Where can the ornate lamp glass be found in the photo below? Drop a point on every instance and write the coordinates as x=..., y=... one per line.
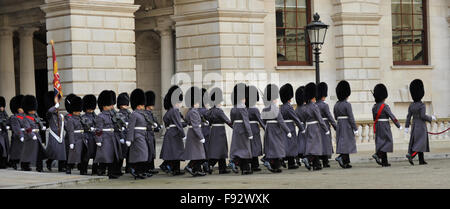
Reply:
x=316, y=31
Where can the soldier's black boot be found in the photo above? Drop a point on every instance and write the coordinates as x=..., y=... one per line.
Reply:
x=233, y=166
x=69, y=168
x=84, y=168
x=152, y=167
x=307, y=162
x=39, y=166
x=325, y=161
x=283, y=163
x=61, y=166
x=410, y=157
x=48, y=163
x=377, y=158
x=3, y=163
x=101, y=170
x=25, y=166
x=189, y=168
x=206, y=168
x=298, y=160
x=14, y=164
x=316, y=164
x=223, y=167
x=340, y=161
x=245, y=168
x=347, y=161
x=111, y=171
x=94, y=168
x=385, y=162
x=422, y=159
x=255, y=164
x=176, y=168
x=291, y=163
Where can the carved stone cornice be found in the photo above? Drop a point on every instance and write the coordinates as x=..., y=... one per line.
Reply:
x=219, y=13
x=27, y=31
x=7, y=31
x=154, y=13
x=356, y=18
x=100, y=6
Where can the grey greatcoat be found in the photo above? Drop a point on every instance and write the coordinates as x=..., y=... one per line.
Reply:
x=206, y=129
x=329, y=121
x=31, y=148
x=313, y=140
x=276, y=130
x=255, y=122
x=345, y=136
x=4, y=138
x=55, y=150
x=291, y=120
x=16, y=122
x=383, y=134
x=151, y=135
x=90, y=136
x=240, y=142
x=194, y=148
x=139, y=151
x=419, y=136
x=124, y=147
x=173, y=146
x=79, y=153
x=217, y=145
x=301, y=137
x=110, y=148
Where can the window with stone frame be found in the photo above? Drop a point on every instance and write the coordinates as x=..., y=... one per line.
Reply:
x=292, y=16
x=409, y=32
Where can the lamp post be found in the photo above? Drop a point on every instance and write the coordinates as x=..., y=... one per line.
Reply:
x=316, y=31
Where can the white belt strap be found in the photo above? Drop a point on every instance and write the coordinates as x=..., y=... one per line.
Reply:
x=108, y=130
x=58, y=139
x=192, y=127
x=384, y=120
x=342, y=117
x=288, y=121
x=172, y=126
x=238, y=121
x=35, y=130
x=22, y=129
x=272, y=121
x=140, y=128
x=217, y=125
x=312, y=122
x=253, y=121
x=324, y=118
x=78, y=131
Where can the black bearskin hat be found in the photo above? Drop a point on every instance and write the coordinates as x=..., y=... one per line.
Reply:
x=216, y=96
x=238, y=93
x=137, y=97
x=2, y=102
x=49, y=99
x=193, y=96
x=112, y=94
x=13, y=105
x=252, y=96
x=123, y=99
x=343, y=90
x=270, y=93
x=89, y=102
x=105, y=99
x=68, y=102
x=286, y=92
x=380, y=92
x=76, y=104
x=310, y=92
x=322, y=90
x=205, y=97
x=29, y=103
x=174, y=95
x=150, y=98
x=299, y=95
x=417, y=90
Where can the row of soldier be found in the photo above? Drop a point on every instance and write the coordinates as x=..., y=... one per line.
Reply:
x=113, y=136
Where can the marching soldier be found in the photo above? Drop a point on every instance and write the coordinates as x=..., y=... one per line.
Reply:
x=382, y=129
x=255, y=122
x=78, y=145
x=4, y=138
x=299, y=111
x=314, y=127
x=123, y=104
x=119, y=121
x=88, y=121
x=33, y=150
x=194, y=149
x=154, y=126
x=206, y=129
x=108, y=148
x=137, y=136
x=173, y=147
x=329, y=121
x=17, y=128
x=276, y=128
x=241, y=150
x=291, y=120
x=217, y=145
x=346, y=126
x=418, y=142
x=56, y=146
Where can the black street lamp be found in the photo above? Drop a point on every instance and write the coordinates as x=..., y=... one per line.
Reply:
x=316, y=31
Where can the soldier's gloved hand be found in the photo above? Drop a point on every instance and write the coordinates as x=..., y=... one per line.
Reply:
x=356, y=132
x=126, y=124
x=327, y=133
x=7, y=127
x=251, y=137
x=99, y=144
x=123, y=129
x=44, y=128
x=304, y=131
x=21, y=139
x=289, y=135
x=57, y=105
x=207, y=123
x=406, y=130
x=71, y=146
x=401, y=127
x=34, y=137
x=184, y=139
x=92, y=129
x=202, y=141
x=122, y=141
x=128, y=143
x=433, y=117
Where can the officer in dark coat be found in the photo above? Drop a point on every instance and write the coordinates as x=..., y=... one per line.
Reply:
x=217, y=145
x=346, y=126
x=194, y=149
x=276, y=130
x=123, y=104
x=56, y=146
x=4, y=138
x=33, y=150
x=418, y=142
x=153, y=127
x=88, y=121
x=17, y=128
x=78, y=144
x=291, y=120
x=256, y=122
x=314, y=126
x=137, y=135
x=108, y=146
x=299, y=111
x=172, y=150
x=329, y=121
x=383, y=136
x=120, y=125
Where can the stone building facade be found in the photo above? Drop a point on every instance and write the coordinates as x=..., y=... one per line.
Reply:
x=124, y=44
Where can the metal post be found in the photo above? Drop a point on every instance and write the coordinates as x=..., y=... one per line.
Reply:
x=317, y=61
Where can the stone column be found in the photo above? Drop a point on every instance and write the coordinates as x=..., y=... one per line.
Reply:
x=167, y=53
x=27, y=80
x=7, y=79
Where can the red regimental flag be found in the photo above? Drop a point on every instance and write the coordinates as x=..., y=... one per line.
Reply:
x=56, y=79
